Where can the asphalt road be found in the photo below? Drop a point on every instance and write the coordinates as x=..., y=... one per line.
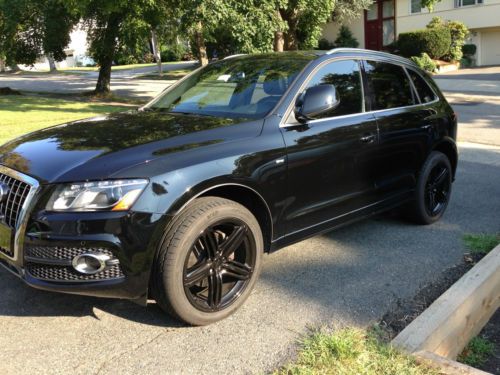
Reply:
x=347, y=277
x=123, y=82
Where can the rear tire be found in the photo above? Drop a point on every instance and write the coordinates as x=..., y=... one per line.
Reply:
x=433, y=190
x=208, y=262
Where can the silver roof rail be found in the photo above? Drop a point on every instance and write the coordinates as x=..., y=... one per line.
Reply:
x=231, y=56
x=371, y=52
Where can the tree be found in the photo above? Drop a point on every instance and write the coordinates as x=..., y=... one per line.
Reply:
x=31, y=28
x=304, y=20
x=228, y=26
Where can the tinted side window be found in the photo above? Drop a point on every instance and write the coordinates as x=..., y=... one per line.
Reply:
x=390, y=85
x=424, y=91
x=345, y=75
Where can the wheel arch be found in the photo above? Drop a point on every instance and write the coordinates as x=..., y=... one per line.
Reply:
x=449, y=148
x=247, y=197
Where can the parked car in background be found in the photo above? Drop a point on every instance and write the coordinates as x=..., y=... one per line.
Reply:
x=179, y=200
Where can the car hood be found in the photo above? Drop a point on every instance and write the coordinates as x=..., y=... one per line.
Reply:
x=101, y=147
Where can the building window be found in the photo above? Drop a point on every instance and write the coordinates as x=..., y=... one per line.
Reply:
x=465, y=3
x=416, y=6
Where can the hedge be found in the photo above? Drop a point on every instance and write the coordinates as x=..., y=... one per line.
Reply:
x=435, y=42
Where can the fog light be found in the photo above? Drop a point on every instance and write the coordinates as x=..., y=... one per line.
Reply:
x=90, y=264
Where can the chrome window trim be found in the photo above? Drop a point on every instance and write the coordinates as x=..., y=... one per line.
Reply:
x=22, y=221
x=286, y=115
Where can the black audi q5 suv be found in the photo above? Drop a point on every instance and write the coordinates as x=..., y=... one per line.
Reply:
x=179, y=200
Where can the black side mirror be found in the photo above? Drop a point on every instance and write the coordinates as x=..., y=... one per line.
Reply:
x=315, y=101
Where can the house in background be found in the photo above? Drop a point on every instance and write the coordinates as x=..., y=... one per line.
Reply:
x=77, y=53
x=379, y=25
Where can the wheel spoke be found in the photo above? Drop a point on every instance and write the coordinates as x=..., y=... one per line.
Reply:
x=441, y=177
x=432, y=201
x=233, y=241
x=214, y=290
x=237, y=270
x=209, y=243
x=198, y=272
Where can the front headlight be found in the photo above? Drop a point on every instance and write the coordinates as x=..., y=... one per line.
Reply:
x=114, y=195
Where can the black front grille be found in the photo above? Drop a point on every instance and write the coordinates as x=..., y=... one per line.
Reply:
x=38, y=259
x=63, y=273
x=11, y=207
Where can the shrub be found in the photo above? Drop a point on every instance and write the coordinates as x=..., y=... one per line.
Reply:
x=469, y=50
x=325, y=45
x=458, y=33
x=173, y=52
x=425, y=62
x=435, y=42
x=345, y=38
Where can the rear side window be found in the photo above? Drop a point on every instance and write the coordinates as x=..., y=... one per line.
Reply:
x=424, y=91
x=345, y=75
x=389, y=84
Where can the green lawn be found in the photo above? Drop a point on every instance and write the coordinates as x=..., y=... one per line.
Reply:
x=351, y=351
x=23, y=114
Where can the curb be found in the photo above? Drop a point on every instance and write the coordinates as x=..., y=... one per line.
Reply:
x=442, y=331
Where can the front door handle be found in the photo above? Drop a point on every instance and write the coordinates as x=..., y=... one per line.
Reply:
x=426, y=127
x=368, y=138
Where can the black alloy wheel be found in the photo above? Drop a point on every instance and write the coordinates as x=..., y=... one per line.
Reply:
x=208, y=262
x=437, y=189
x=219, y=265
x=433, y=190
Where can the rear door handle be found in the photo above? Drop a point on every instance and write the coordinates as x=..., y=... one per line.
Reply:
x=426, y=127
x=368, y=138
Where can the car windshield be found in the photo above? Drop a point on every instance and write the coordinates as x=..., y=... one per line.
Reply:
x=239, y=87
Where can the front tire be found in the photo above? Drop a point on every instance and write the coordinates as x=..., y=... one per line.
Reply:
x=433, y=189
x=208, y=262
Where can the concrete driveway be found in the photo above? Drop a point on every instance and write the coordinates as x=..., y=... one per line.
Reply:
x=475, y=96
x=349, y=276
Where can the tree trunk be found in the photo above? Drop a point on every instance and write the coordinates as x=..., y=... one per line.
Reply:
x=52, y=63
x=2, y=65
x=107, y=54
x=15, y=68
x=200, y=45
x=291, y=42
x=279, y=41
x=156, y=51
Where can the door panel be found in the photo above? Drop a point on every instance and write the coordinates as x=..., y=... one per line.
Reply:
x=330, y=160
x=404, y=133
x=329, y=169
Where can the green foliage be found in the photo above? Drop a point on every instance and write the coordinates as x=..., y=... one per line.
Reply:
x=476, y=352
x=31, y=28
x=458, y=33
x=425, y=62
x=325, y=45
x=469, y=50
x=345, y=38
x=175, y=52
x=435, y=42
x=481, y=243
x=351, y=351
x=429, y=4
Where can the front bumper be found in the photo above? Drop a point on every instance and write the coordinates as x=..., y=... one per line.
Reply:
x=51, y=241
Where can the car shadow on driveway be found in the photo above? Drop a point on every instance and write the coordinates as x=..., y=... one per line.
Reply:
x=18, y=299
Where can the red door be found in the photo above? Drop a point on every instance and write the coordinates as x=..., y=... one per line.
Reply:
x=380, y=25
